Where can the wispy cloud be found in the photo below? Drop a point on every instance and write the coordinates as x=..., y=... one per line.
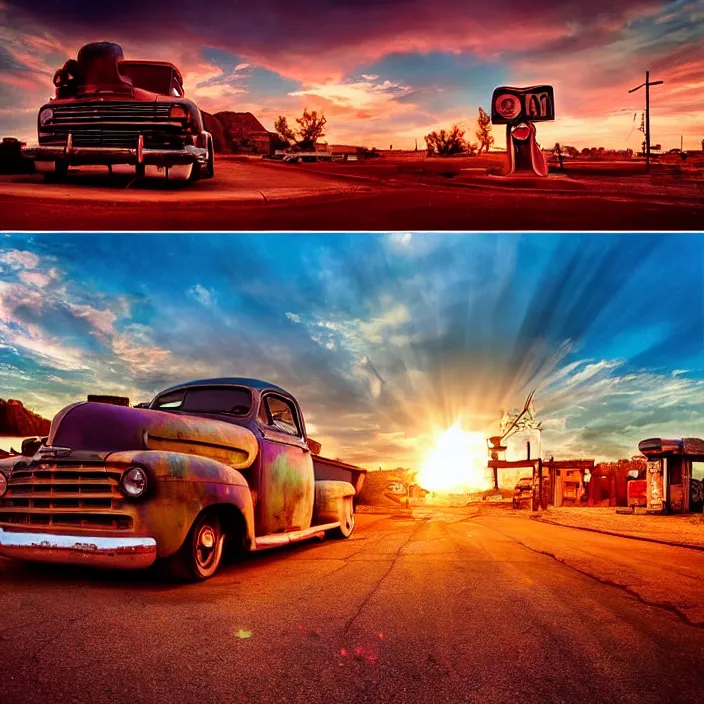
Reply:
x=439, y=62
x=384, y=338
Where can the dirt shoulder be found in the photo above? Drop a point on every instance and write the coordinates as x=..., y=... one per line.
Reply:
x=661, y=576
x=680, y=530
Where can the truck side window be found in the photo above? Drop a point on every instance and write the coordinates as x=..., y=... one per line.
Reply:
x=263, y=415
x=282, y=415
x=172, y=400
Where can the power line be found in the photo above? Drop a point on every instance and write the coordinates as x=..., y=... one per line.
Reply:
x=647, y=85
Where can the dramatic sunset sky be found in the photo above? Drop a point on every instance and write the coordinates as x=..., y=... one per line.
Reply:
x=385, y=71
x=385, y=339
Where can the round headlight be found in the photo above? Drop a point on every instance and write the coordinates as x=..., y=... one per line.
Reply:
x=3, y=484
x=45, y=115
x=134, y=482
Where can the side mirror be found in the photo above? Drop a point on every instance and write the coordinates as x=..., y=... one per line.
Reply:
x=633, y=473
x=142, y=405
x=314, y=446
x=30, y=446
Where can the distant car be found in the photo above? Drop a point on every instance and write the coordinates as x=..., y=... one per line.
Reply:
x=522, y=491
x=298, y=157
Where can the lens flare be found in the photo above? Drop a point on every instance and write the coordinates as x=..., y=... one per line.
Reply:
x=457, y=462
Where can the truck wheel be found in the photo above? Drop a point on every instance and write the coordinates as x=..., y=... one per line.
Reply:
x=201, y=553
x=347, y=521
x=210, y=166
x=59, y=174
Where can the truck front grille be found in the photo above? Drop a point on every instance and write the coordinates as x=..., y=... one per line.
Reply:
x=112, y=124
x=110, y=111
x=59, y=496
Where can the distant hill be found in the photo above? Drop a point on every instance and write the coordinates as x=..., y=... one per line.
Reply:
x=240, y=133
x=17, y=421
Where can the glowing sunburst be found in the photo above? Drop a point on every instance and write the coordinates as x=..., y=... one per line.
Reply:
x=456, y=463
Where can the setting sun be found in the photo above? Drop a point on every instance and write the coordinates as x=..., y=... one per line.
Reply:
x=456, y=463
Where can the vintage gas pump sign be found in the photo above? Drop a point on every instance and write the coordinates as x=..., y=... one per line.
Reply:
x=655, y=491
x=519, y=109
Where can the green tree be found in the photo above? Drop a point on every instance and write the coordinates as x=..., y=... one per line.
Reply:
x=444, y=143
x=311, y=127
x=283, y=130
x=484, y=131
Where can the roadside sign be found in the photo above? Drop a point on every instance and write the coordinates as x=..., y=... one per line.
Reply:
x=534, y=104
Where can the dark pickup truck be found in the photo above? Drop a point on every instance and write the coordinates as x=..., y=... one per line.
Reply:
x=118, y=113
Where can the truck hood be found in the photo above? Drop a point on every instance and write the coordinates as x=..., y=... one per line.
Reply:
x=104, y=428
x=136, y=94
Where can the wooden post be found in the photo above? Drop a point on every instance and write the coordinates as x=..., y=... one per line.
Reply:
x=540, y=483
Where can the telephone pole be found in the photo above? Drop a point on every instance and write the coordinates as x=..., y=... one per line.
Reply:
x=647, y=85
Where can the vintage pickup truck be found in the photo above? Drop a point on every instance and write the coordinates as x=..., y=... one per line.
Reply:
x=207, y=468
x=119, y=113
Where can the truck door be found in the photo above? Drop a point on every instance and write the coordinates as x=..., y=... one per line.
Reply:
x=287, y=481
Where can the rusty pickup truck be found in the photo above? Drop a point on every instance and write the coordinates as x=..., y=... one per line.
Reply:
x=206, y=469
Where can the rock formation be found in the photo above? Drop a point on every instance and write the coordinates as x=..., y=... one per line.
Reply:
x=17, y=421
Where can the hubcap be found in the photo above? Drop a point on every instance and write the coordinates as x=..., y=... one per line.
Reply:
x=205, y=546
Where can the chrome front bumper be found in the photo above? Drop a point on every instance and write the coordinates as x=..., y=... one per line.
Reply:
x=117, y=155
x=123, y=553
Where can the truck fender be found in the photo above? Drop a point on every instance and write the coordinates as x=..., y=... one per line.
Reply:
x=329, y=500
x=183, y=487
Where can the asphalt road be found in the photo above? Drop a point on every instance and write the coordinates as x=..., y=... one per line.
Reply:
x=444, y=608
x=255, y=195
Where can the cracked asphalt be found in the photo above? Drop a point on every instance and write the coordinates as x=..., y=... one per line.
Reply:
x=448, y=606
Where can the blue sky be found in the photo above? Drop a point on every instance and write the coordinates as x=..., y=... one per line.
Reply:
x=384, y=338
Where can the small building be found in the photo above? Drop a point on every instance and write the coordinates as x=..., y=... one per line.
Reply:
x=391, y=487
x=113, y=400
x=567, y=481
x=241, y=133
x=674, y=477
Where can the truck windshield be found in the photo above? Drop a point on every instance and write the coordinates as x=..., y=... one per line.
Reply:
x=231, y=400
x=152, y=77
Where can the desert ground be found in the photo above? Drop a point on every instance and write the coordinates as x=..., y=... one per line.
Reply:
x=386, y=193
x=430, y=605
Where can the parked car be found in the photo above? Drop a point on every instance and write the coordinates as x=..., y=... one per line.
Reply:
x=114, y=112
x=208, y=468
x=523, y=491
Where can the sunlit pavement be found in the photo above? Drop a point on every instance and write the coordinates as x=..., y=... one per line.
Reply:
x=434, y=606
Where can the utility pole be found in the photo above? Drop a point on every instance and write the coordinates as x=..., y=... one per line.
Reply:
x=647, y=85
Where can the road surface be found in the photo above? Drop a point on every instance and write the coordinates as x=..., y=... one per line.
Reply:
x=446, y=607
x=260, y=195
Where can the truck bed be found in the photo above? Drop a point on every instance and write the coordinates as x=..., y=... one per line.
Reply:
x=326, y=468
